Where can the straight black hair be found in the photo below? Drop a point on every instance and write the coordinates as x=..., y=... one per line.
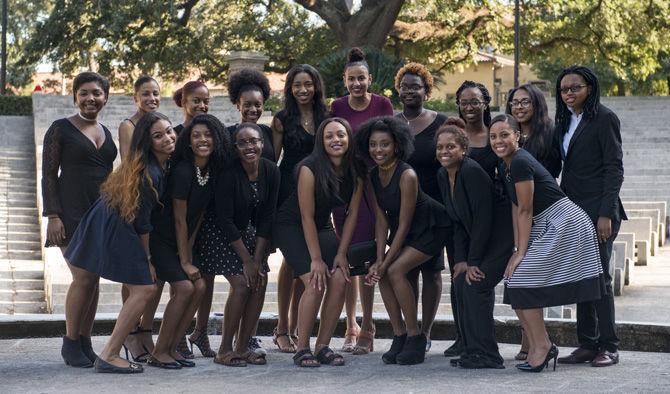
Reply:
x=319, y=108
x=540, y=139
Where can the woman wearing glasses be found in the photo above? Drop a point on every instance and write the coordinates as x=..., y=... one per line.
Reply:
x=246, y=198
x=414, y=85
x=528, y=106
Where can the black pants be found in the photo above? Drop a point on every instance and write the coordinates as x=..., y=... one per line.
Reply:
x=596, y=329
x=475, y=306
x=449, y=245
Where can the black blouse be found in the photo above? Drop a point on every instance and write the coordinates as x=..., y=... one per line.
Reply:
x=150, y=198
x=423, y=159
x=524, y=167
x=182, y=185
x=297, y=143
x=289, y=213
x=234, y=205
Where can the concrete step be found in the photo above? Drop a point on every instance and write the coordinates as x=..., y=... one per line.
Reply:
x=19, y=236
x=11, y=308
x=21, y=284
x=20, y=254
x=22, y=295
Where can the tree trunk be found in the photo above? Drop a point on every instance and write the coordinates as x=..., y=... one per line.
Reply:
x=369, y=26
x=620, y=88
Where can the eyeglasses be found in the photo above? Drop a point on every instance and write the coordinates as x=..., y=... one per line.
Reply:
x=573, y=89
x=410, y=88
x=525, y=103
x=248, y=142
x=473, y=103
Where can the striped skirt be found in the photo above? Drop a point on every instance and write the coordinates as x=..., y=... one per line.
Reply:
x=562, y=264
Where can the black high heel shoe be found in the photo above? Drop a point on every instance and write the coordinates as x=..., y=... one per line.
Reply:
x=142, y=358
x=553, y=353
x=200, y=339
x=396, y=347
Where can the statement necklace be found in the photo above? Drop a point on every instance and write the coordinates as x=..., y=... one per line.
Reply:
x=202, y=180
x=413, y=119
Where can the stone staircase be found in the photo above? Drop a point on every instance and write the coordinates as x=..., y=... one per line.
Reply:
x=21, y=266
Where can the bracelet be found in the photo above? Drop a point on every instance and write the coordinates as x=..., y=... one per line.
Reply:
x=515, y=249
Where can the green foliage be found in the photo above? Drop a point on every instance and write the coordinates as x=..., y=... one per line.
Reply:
x=273, y=103
x=16, y=105
x=382, y=67
x=624, y=41
x=445, y=106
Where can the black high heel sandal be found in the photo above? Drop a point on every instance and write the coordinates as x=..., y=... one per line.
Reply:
x=553, y=353
x=142, y=358
x=200, y=339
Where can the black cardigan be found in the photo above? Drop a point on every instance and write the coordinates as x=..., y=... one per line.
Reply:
x=233, y=200
x=473, y=203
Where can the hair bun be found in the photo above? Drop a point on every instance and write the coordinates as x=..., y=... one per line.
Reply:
x=454, y=121
x=356, y=55
x=177, y=96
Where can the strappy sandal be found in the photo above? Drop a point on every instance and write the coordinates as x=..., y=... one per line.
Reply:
x=327, y=356
x=230, y=359
x=365, y=343
x=350, y=339
x=277, y=338
x=521, y=356
x=305, y=358
x=254, y=358
x=142, y=358
x=200, y=339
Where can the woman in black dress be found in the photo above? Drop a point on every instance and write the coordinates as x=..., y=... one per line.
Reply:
x=414, y=85
x=112, y=239
x=556, y=261
x=330, y=176
x=293, y=131
x=83, y=151
x=147, y=98
x=193, y=99
x=246, y=199
x=528, y=106
x=483, y=243
x=417, y=224
x=202, y=149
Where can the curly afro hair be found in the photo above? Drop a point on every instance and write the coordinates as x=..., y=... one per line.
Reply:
x=419, y=70
x=399, y=131
x=246, y=80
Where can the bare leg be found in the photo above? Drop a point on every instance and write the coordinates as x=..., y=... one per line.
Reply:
x=186, y=319
x=147, y=319
x=205, y=306
x=331, y=309
x=236, y=303
x=350, y=302
x=392, y=306
x=431, y=293
x=89, y=316
x=78, y=302
x=125, y=323
x=284, y=292
x=249, y=321
x=307, y=310
x=298, y=289
x=367, y=301
x=182, y=292
x=397, y=274
x=537, y=335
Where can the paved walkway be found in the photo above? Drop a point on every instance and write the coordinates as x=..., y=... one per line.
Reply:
x=35, y=365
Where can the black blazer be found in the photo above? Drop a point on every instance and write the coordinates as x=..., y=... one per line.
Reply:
x=473, y=210
x=593, y=167
x=233, y=200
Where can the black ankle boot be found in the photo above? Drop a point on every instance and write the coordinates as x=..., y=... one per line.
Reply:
x=414, y=351
x=87, y=348
x=396, y=347
x=73, y=355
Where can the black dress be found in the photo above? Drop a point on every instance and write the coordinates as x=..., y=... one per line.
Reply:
x=483, y=237
x=425, y=164
x=429, y=224
x=244, y=210
x=108, y=246
x=182, y=185
x=297, y=144
x=83, y=168
x=288, y=234
x=562, y=264
x=268, y=150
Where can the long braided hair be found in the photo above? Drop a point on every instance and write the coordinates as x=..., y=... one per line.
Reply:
x=485, y=95
x=590, y=107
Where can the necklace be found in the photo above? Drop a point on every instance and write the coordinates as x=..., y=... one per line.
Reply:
x=85, y=118
x=388, y=166
x=202, y=180
x=414, y=118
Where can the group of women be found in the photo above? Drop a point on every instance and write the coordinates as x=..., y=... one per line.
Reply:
x=360, y=197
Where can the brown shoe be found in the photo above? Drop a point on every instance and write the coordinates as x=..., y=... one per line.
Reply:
x=579, y=356
x=605, y=359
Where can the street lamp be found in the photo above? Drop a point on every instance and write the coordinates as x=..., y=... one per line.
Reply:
x=516, y=43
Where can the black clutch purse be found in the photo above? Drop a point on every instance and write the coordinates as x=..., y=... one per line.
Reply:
x=361, y=256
